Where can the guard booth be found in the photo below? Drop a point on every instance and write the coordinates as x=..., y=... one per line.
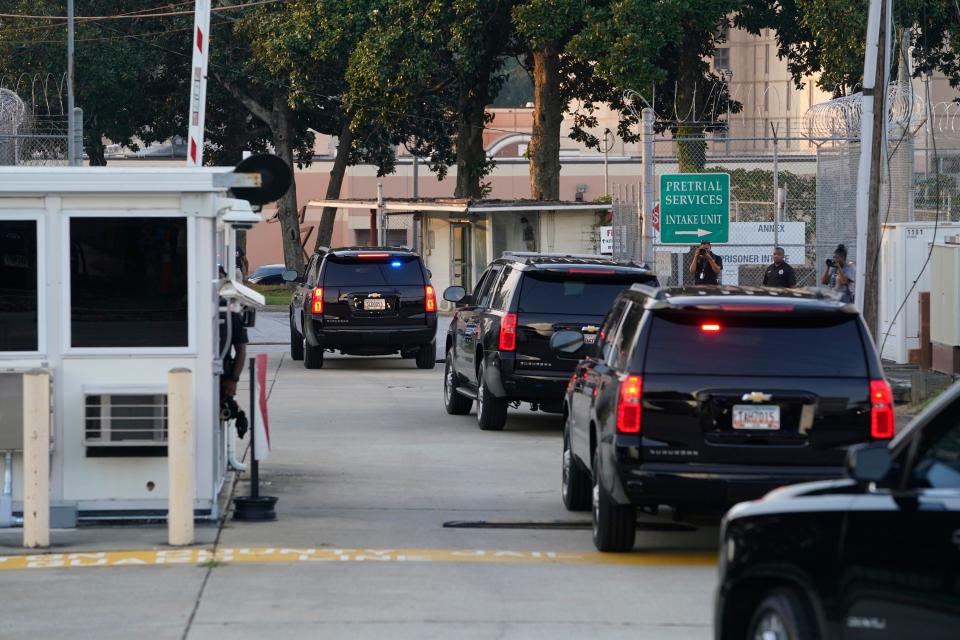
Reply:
x=108, y=280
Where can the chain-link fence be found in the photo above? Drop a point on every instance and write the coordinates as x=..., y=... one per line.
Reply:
x=28, y=136
x=401, y=229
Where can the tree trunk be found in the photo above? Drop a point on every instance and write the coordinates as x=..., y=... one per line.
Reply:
x=547, y=115
x=325, y=230
x=93, y=145
x=281, y=126
x=692, y=146
x=471, y=156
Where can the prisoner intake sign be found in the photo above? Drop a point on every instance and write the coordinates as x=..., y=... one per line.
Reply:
x=694, y=208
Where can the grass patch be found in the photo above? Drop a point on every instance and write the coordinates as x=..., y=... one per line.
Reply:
x=210, y=564
x=274, y=293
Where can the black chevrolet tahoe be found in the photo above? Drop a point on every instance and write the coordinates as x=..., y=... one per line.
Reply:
x=497, y=345
x=367, y=301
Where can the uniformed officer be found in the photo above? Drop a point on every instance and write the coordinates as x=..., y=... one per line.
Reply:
x=779, y=274
x=705, y=265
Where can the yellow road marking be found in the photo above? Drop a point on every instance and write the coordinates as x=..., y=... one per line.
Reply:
x=281, y=555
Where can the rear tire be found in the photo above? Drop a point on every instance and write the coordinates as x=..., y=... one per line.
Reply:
x=312, y=356
x=784, y=615
x=296, y=342
x=491, y=410
x=575, y=484
x=427, y=356
x=614, y=525
x=455, y=404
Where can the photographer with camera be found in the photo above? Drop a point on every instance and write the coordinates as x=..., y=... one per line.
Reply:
x=706, y=265
x=839, y=274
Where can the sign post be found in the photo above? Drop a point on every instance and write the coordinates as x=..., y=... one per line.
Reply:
x=198, y=83
x=694, y=207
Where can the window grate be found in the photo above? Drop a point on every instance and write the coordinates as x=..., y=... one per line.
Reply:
x=125, y=420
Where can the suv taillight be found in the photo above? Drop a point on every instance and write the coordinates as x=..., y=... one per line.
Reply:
x=316, y=306
x=628, y=407
x=431, y=299
x=508, y=332
x=881, y=409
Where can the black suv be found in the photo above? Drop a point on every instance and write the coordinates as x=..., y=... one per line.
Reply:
x=702, y=397
x=876, y=555
x=497, y=347
x=366, y=301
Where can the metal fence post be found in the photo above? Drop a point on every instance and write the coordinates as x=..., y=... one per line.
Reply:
x=36, y=459
x=776, y=187
x=76, y=142
x=381, y=218
x=646, y=252
x=181, y=456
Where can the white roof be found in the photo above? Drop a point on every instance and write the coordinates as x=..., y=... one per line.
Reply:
x=35, y=180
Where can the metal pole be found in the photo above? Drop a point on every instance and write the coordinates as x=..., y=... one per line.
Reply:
x=181, y=457
x=76, y=118
x=648, y=187
x=606, y=167
x=36, y=459
x=381, y=217
x=866, y=142
x=71, y=152
x=416, y=177
x=254, y=465
x=776, y=187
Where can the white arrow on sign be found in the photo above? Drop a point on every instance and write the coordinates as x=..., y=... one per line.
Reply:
x=699, y=233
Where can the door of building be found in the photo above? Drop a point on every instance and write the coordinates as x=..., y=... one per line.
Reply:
x=460, y=266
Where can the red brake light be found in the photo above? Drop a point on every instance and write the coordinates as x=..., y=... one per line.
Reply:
x=431, y=299
x=317, y=304
x=508, y=332
x=628, y=408
x=373, y=255
x=881, y=409
x=709, y=327
x=756, y=307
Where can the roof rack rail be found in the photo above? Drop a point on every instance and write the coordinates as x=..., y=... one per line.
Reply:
x=654, y=292
x=529, y=256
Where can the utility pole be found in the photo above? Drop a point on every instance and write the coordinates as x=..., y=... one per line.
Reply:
x=72, y=160
x=870, y=169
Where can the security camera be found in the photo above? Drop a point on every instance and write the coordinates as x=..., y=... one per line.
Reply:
x=237, y=213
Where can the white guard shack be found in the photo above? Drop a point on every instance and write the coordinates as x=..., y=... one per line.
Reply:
x=109, y=279
x=458, y=238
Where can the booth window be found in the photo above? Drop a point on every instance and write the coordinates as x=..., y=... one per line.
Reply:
x=125, y=425
x=18, y=285
x=128, y=282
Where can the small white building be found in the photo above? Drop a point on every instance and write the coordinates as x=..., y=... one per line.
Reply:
x=109, y=279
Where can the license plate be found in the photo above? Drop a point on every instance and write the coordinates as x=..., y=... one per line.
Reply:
x=589, y=338
x=756, y=416
x=374, y=304
x=15, y=261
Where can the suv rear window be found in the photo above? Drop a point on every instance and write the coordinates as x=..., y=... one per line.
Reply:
x=778, y=344
x=344, y=271
x=563, y=292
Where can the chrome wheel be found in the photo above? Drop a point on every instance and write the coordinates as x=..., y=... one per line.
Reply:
x=448, y=384
x=480, y=395
x=596, y=504
x=771, y=627
x=565, y=487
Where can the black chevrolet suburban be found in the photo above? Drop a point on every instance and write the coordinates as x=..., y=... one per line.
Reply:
x=497, y=345
x=701, y=397
x=366, y=301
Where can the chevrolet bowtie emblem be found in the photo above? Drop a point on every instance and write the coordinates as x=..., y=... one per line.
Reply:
x=589, y=329
x=374, y=295
x=756, y=397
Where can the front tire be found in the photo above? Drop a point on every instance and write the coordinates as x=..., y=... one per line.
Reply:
x=312, y=356
x=296, y=341
x=575, y=485
x=427, y=356
x=783, y=615
x=491, y=410
x=614, y=525
x=455, y=404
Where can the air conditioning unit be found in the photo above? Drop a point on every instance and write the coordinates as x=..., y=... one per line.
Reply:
x=127, y=417
x=945, y=307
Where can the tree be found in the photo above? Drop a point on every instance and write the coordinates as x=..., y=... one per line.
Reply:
x=661, y=49
x=432, y=68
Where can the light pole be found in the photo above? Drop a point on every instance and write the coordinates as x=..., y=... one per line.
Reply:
x=607, y=145
x=71, y=151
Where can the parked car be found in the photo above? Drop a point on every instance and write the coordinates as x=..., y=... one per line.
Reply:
x=875, y=555
x=366, y=301
x=497, y=345
x=268, y=274
x=702, y=397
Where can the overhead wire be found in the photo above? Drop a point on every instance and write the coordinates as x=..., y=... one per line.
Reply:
x=138, y=16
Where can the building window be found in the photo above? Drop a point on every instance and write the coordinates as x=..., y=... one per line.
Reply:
x=721, y=59
x=789, y=93
x=766, y=58
x=766, y=97
x=128, y=282
x=19, y=323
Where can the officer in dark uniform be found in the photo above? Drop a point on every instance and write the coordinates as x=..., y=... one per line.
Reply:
x=779, y=274
x=705, y=265
x=233, y=347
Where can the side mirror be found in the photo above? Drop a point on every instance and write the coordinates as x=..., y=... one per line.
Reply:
x=566, y=341
x=290, y=276
x=454, y=294
x=429, y=274
x=868, y=463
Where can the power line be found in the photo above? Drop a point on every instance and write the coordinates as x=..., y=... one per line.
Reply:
x=137, y=16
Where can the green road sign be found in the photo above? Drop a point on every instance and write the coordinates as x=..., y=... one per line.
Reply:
x=694, y=207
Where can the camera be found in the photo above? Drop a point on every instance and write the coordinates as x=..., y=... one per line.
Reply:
x=829, y=263
x=230, y=410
